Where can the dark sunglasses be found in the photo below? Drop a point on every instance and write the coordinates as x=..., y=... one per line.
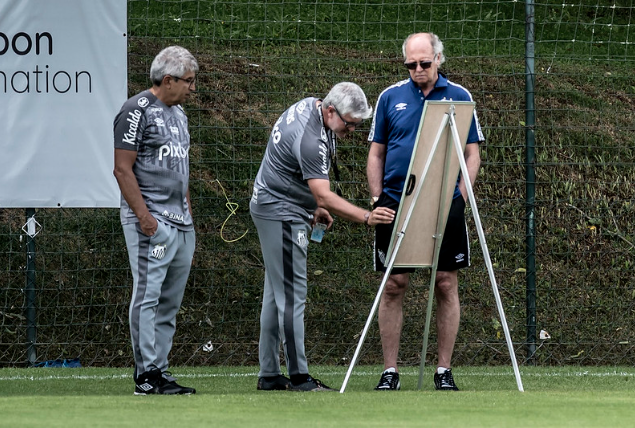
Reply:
x=413, y=65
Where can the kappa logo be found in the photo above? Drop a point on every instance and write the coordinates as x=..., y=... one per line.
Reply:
x=143, y=102
x=158, y=252
x=401, y=106
x=302, y=241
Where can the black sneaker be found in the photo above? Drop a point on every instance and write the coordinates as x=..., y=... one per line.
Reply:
x=445, y=381
x=311, y=384
x=168, y=386
x=389, y=382
x=148, y=382
x=273, y=383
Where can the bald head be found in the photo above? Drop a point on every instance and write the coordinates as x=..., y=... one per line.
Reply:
x=420, y=39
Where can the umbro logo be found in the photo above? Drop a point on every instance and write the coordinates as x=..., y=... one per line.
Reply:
x=382, y=256
x=459, y=257
x=145, y=386
x=401, y=106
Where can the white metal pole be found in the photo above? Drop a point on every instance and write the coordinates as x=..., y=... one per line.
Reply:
x=486, y=256
x=371, y=315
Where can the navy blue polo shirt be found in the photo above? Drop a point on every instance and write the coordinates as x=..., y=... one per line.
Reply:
x=396, y=122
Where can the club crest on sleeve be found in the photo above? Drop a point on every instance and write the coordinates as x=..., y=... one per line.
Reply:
x=142, y=102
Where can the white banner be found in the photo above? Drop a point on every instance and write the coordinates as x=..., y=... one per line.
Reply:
x=63, y=74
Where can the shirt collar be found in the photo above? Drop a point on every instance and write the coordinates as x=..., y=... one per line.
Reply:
x=442, y=82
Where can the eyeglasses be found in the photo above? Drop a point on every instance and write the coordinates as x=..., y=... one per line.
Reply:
x=190, y=80
x=413, y=65
x=349, y=125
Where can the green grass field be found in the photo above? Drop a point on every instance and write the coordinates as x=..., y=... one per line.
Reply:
x=227, y=397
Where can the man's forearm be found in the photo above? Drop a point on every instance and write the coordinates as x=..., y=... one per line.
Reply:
x=132, y=194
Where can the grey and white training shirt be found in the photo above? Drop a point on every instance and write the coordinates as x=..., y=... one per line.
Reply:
x=159, y=134
x=299, y=149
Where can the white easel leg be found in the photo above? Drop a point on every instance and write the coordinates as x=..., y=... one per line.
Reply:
x=371, y=315
x=486, y=256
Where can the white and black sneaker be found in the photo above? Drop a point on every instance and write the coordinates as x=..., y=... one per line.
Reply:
x=170, y=387
x=389, y=381
x=444, y=381
x=155, y=382
x=148, y=382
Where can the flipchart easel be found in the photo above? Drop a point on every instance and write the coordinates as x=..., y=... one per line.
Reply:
x=420, y=247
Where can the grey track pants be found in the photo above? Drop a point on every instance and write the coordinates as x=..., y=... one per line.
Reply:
x=284, y=250
x=160, y=267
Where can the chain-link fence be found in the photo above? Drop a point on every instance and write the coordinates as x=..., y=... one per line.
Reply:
x=257, y=58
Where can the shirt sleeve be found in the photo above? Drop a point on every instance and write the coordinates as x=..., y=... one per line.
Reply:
x=476, y=134
x=378, y=129
x=313, y=157
x=128, y=126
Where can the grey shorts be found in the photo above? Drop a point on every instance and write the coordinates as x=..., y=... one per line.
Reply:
x=455, y=247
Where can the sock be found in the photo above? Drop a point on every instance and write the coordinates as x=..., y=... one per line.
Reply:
x=390, y=370
x=297, y=379
x=441, y=370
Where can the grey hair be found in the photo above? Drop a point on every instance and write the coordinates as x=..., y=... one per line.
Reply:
x=348, y=98
x=437, y=45
x=173, y=60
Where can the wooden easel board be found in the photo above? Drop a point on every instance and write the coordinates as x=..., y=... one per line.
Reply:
x=417, y=246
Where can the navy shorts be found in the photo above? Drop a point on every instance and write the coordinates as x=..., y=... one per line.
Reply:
x=455, y=247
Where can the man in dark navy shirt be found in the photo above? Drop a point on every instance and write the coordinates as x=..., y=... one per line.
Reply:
x=393, y=134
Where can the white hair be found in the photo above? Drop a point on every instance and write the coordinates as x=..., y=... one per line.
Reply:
x=348, y=98
x=437, y=45
x=174, y=61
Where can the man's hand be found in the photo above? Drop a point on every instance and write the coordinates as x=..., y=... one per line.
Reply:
x=148, y=225
x=321, y=215
x=381, y=215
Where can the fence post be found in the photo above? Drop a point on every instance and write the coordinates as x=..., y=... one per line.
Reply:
x=29, y=290
x=530, y=183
